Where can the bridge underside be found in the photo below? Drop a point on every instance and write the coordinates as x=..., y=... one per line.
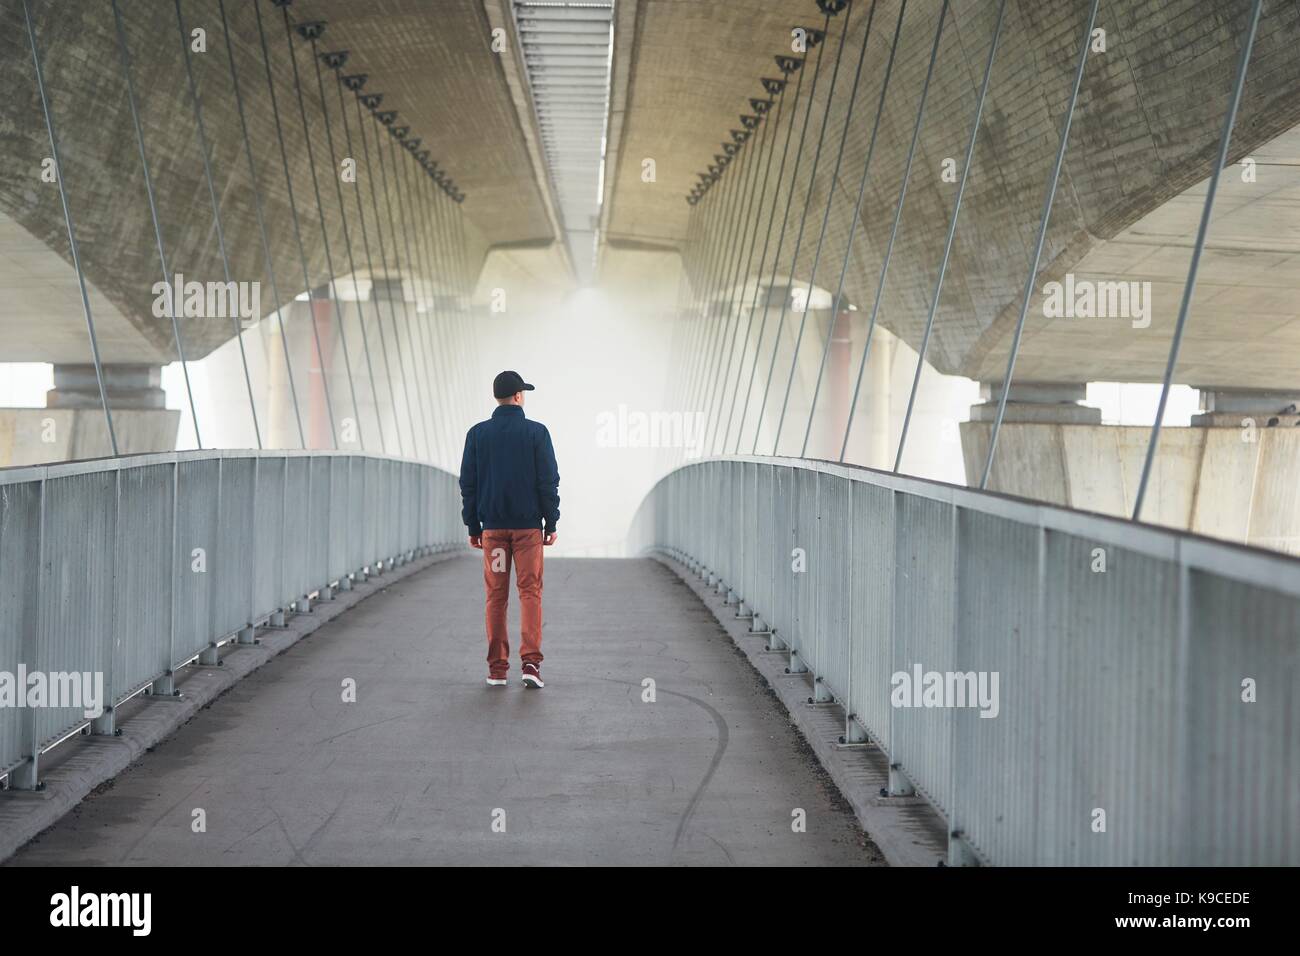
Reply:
x=413, y=771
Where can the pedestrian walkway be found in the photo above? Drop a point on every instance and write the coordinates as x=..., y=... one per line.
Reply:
x=430, y=766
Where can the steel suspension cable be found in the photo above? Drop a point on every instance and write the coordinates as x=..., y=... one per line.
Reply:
x=691, y=264
x=826, y=216
x=1225, y=140
x=725, y=288
x=423, y=281
x=336, y=61
x=762, y=263
x=310, y=32
x=456, y=256
x=803, y=220
x=293, y=217
x=726, y=224
x=696, y=277
x=1050, y=197
x=752, y=272
x=435, y=374
x=71, y=228
x=893, y=229
x=353, y=84
x=457, y=248
x=383, y=263
x=216, y=212
x=952, y=231
x=461, y=280
x=708, y=330
x=124, y=55
x=675, y=352
x=780, y=242
x=452, y=334
x=855, y=221
x=740, y=271
x=261, y=221
x=407, y=309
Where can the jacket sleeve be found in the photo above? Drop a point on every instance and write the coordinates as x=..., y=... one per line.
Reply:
x=469, y=487
x=548, y=480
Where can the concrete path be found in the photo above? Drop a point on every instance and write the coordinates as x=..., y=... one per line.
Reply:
x=419, y=768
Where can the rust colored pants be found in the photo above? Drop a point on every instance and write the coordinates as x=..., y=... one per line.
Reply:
x=523, y=548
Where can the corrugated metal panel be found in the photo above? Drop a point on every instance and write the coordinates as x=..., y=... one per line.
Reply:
x=233, y=575
x=1119, y=685
x=20, y=543
x=144, y=575
x=268, y=543
x=75, y=632
x=1000, y=630
x=100, y=571
x=197, y=500
x=920, y=738
x=1243, y=773
x=871, y=592
x=298, y=533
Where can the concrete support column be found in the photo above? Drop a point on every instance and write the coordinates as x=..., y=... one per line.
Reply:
x=1229, y=475
x=128, y=386
x=72, y=425
x=1054, y=402
x=1248, y=408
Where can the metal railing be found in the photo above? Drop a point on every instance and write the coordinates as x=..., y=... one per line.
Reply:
x=1148, y=682
x=132, y=567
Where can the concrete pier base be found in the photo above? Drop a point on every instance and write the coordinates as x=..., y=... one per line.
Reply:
x=39, y=436
x=1235, y=483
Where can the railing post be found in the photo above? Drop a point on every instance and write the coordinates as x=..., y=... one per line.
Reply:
x=210, y=654
x=105, y=724
x=165, y=686
x=959, y=852
x=26, y=776
x=817, y=545
x=853, y=732
x=309, y=528
x=251, y=616
x=345, y=582
x=899, y=785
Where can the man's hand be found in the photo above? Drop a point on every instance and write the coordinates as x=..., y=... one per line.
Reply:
x=476, y=541
x=548, y=539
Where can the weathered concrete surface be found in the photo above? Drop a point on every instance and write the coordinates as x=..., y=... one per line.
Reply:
x=437, y=72
x=585, y=772
x=1142, y=142
x=38, y=436
x=1149, y=117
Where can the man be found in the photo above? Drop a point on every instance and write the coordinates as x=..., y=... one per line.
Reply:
x=509, y=486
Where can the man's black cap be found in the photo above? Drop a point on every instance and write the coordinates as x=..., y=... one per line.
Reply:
x=507, y=383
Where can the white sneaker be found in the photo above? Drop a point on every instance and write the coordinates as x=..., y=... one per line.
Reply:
x=496, y=682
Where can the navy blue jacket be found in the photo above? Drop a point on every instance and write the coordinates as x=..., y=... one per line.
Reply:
x=508, y=475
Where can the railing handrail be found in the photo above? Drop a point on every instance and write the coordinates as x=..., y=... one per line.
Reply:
x=1127, y=655
x=130, y=567
x=1230, y=559
x=14, y=474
